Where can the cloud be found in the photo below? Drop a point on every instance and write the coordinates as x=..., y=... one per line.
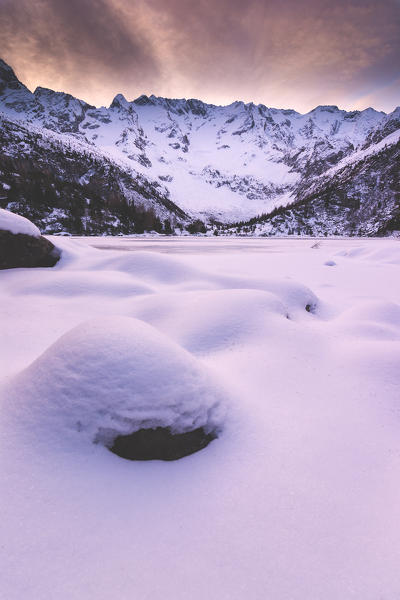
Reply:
x=281, y=52
x=82, y=45
x=295, y=53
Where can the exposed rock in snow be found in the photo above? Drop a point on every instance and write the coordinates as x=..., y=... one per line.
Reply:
x=21, y=244
x=107, y=379
x=161, y=443
x=20, y=250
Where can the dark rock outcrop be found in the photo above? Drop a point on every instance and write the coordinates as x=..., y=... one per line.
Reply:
x=160, y=444
x=21, y=250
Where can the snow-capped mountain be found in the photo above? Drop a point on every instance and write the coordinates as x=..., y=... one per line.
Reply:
x=358, y=196
x=187, y=160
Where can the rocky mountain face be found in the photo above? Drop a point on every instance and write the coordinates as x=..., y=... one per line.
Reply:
x=63, y=186
x=157, y=163
x=360, y=196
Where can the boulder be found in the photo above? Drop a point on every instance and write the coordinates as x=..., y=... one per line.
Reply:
x=119, y=383
x=21, y=244
x=161, y=443
x=21, y=250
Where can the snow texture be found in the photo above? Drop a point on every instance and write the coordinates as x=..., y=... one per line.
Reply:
x=9, y=221
x=114, y=376
x=294, y=358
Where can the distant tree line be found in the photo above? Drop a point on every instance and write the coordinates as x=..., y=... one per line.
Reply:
x=64, y=189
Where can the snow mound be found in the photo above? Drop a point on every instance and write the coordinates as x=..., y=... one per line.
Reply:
x=295, y=296
x=205, y=321
x=378, y=320
x=388, y=252
x=9, y=221
x=83, y=283
x=73, y=251
x=379, y=311
x=113, y=377
x=150, y=267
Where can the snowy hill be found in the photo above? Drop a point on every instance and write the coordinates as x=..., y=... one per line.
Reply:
x=358, y=196
x=196, y=160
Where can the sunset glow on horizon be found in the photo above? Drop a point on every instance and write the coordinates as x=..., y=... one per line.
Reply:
x=293, y=54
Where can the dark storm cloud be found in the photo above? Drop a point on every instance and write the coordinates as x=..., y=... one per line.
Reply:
x=83, y=45
x=296, y=53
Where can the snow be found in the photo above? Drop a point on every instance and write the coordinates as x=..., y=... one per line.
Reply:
x=110, y=377
x=231, y=163
x=359, y=155
x=9, y=221
x=297, y=498
x=389, y=253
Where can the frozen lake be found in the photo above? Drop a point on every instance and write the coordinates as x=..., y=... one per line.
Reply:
x=200, y=245
x=298, y=499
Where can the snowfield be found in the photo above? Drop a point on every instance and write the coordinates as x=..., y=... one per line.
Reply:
x=290, y=348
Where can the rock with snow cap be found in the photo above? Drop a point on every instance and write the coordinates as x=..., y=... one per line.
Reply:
x=120, y=383
x=21, y=244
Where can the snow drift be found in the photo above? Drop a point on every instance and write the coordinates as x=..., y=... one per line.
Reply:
x=113, y=377
x=299, y=496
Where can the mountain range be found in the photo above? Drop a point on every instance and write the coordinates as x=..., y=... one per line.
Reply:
x=163, y=164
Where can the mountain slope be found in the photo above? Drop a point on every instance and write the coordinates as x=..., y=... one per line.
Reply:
x=222, y=163
x=359, y=196
x=64, y=186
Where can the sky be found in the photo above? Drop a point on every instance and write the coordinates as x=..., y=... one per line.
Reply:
x=281, y=53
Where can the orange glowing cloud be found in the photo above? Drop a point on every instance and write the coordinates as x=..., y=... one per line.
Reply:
x=296, y=53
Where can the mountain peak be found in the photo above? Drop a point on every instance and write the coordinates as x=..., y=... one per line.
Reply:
x=5, y=67
x=42, y=92
x=143, y=100
x=331, y=108
x=8, y=78
x=395, y=112
x=120, y=102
